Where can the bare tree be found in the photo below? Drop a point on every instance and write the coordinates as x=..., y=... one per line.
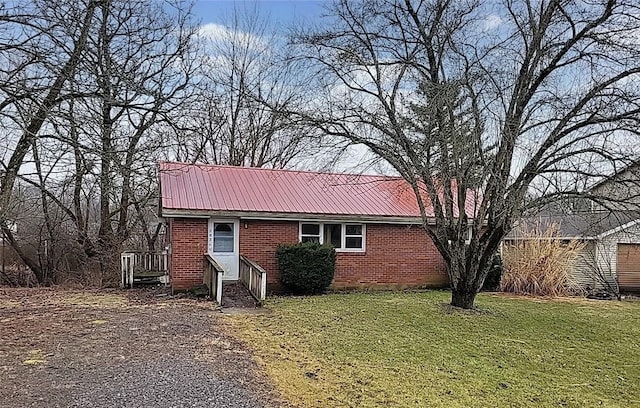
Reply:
x=249, y=85
x=41, y=56
x=485, y=109
x=140, y=60
x=93, y=157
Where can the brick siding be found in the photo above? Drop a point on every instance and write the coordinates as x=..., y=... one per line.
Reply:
x=397, y=256
x=259, y=240
x=188, y=237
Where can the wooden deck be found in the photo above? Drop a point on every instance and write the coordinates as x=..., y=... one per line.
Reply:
x=144, y=267
x=140, y=267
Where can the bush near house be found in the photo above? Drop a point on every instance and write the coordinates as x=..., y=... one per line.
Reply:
x=541, y=265
x=306, y=268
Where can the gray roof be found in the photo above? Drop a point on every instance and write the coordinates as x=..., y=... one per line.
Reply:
x=585, y=225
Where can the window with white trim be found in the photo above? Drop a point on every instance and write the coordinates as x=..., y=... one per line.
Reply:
x=353, y=237
x=467, y=241
x=342, y=236
x=310, y=233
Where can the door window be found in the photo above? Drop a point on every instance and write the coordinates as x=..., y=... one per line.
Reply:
x=223, y=237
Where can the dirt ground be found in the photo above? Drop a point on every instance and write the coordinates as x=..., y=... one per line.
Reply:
x=134, y=348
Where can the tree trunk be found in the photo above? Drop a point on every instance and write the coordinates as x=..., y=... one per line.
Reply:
x=30, y=262
x=463, y=273
x=463, y=297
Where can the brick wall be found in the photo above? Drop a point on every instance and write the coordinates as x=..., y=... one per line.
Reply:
x=188, y=237
x=259, y=242
x=397, y=256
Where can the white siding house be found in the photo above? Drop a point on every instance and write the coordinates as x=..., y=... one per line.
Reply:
x=608, y=225
x=583, y=269
x=602, y=234
x=606, y=254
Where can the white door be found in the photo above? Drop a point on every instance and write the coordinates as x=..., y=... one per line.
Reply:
x=224, y=246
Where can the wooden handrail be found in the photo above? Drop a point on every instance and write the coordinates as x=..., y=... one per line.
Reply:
x=213, y=278
x=252, y=263
x=214, y=263
x=254, y=277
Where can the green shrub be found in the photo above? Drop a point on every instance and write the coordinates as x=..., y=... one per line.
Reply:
x=306, y=268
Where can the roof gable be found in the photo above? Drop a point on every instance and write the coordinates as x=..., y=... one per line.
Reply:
x=628, y=174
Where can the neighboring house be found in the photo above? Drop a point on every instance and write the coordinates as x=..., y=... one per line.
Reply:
x=609, y=228
x=611, y=254
x=373, y=222
x=621, y=189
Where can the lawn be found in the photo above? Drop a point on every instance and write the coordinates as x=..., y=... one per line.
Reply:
x=409, y=349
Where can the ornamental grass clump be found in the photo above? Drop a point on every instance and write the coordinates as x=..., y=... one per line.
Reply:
x=540, y=264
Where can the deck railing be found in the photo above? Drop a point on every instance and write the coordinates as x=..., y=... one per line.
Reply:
x=213, y=278
x=140, y=265
x=254, y=278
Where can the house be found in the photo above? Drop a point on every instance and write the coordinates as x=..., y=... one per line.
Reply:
x=610, y=258
x=609, y=228
x=622, y=190
x=236, y=213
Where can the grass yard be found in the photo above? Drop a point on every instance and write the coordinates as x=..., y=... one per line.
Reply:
x=408, y=349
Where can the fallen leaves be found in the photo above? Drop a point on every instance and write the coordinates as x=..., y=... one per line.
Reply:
x=36, y=357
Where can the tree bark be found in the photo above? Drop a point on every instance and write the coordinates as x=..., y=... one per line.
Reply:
x=463, y=297
x=30, y=262
x=468, y=266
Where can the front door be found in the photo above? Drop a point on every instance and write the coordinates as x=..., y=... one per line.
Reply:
x=224, y=246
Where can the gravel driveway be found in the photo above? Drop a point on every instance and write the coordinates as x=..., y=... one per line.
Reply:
x=121, y=349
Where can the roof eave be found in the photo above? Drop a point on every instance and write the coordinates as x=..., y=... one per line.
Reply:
x=563, y=238
x=256, y=215
x=617, y=229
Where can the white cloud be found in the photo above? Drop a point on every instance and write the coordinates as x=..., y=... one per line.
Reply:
x=213, y=31
x=491, y=22
x=218, y=33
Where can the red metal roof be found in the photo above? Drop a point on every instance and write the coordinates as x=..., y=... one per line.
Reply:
x=199, y=187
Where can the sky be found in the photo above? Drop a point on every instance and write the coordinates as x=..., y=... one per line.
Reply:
x=282, y=13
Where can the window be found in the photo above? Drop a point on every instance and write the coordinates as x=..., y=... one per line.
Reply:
x=222, y=237
x=468, y=239
x=310, y=233
x=353, y=236
x=333, y=235
x=343, y=237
